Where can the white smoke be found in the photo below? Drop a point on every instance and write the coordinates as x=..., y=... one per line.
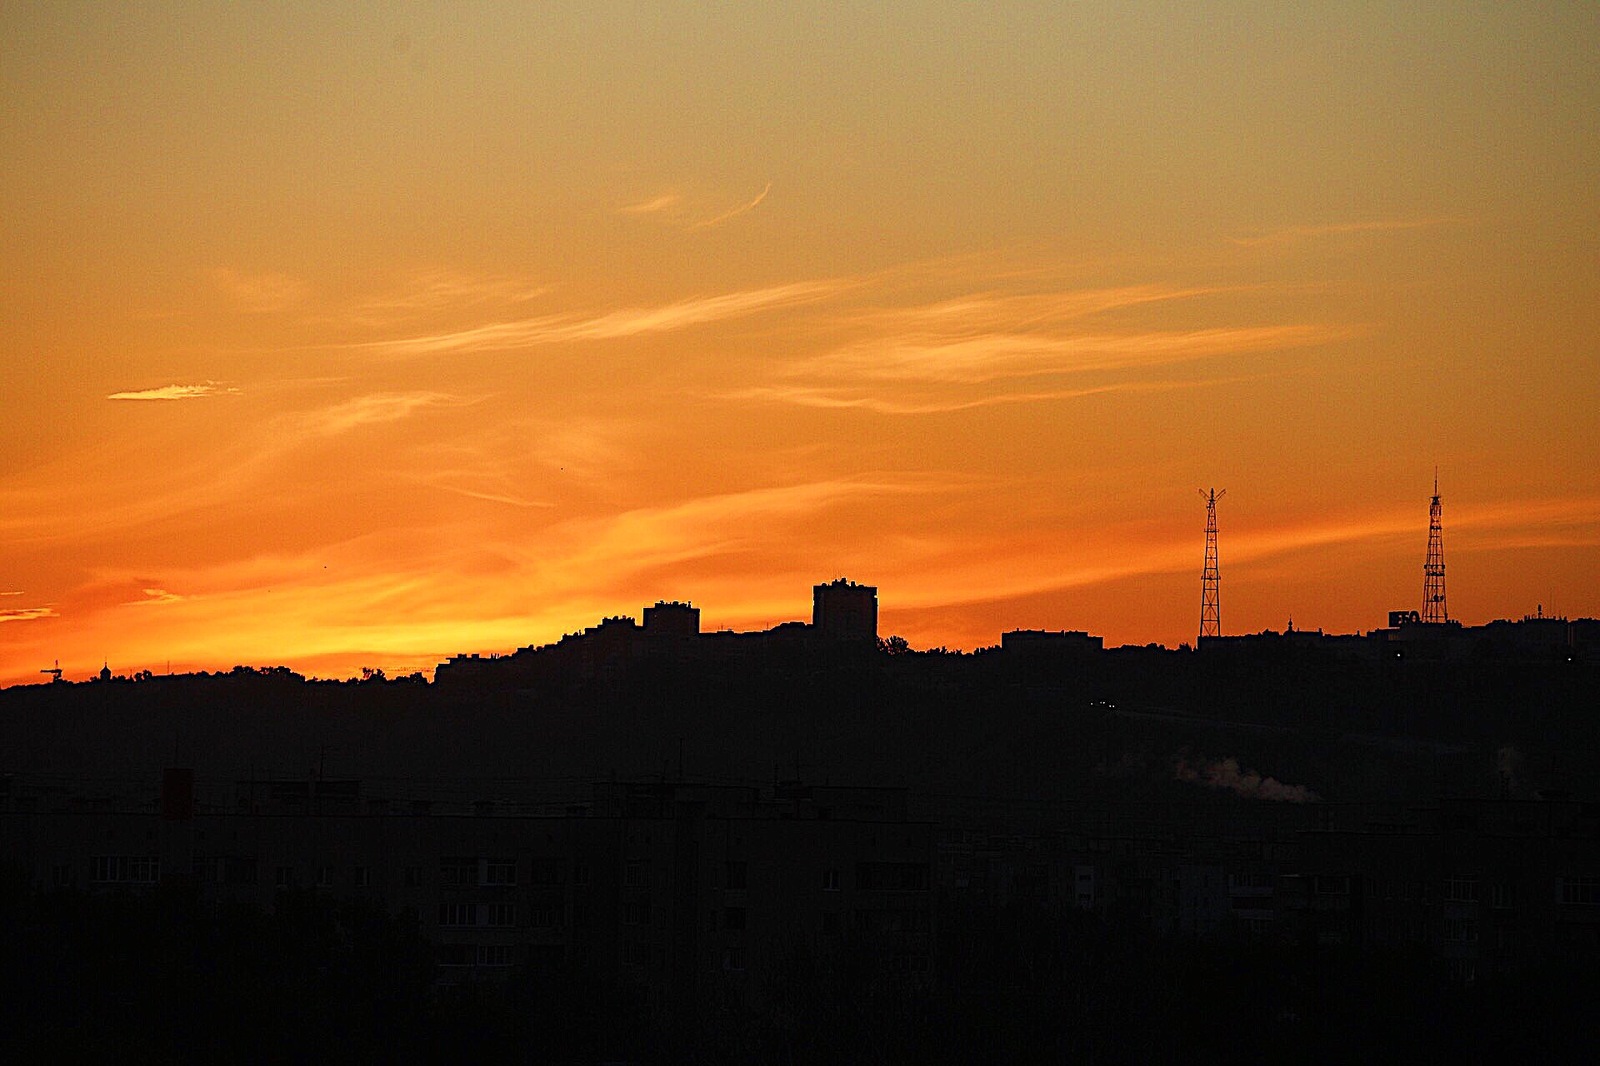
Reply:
x=1225, y=773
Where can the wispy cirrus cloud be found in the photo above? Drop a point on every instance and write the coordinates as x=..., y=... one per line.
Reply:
x=609, y=325
x=986, y=312
x=809, y=396
x=157, y=596
x=429, y=292
x=737, y=211
x=1289, y=234
x=991, y=356
x=259, y=293
x=177, y=392
x=653, y=206
x=27, y=614
x=373, y=408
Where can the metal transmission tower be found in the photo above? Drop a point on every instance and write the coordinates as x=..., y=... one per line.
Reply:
x=1433, y=605
x=1211, y=578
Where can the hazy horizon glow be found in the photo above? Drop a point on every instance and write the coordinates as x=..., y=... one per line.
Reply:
x=371, y=335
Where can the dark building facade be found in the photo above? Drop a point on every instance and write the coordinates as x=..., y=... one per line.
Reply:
x=688, y=893
x=842, y=610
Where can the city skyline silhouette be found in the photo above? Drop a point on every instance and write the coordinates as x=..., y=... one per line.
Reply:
x=368, y=340
x=609, y=533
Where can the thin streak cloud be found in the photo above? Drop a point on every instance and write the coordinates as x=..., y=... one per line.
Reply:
x=611, y=325
x=27, y=614
x=1297, y=233
x=664, y=202
x=803, y=396
x=725, y=216
x=375, y=408
x=973, y=360
x=259, y=293
x=177, y=392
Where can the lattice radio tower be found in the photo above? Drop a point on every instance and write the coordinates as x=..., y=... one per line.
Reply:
x=1433, y=605
x=1211, y=577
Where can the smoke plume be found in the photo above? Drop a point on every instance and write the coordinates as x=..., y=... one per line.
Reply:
x=1225, y=773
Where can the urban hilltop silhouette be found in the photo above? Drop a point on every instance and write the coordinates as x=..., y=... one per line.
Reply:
x=647, y=841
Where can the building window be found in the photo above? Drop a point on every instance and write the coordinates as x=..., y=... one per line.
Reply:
x=733, y=917
x=830, y=880
x=125, y=869
x=458, y=914
x=1460, y=890
x=500, y=872
x=738, y=874
x=733, y=959
x=580, y=915
x=324, y=877
x=636, y=912
x=1460, y=930
x=501, y=914
x=580, y=873
x=1500, y=895
x=455, y=954
x=61, y=875
x=830, y=921
x=458, y=872
x=892, y=876
x=1330, y=885
x=413, y=877
x=635, y=875
x=1580, y=891
x=363, y=876
x=494, y=954
x=283, y=877
x=637, y=954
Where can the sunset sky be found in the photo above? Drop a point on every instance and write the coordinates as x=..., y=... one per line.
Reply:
x=343, y=335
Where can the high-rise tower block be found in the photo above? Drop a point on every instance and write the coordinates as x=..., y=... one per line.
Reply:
x=845, y=611
x=1433, y=603
x=1211, y=577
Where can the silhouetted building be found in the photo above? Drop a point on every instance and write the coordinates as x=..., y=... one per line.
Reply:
x=672, y=619
x=842, y=610
x=1042, y=642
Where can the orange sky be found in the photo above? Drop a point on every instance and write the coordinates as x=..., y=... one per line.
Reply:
x=345, y=335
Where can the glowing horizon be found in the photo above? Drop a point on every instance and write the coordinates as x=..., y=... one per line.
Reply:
x=371, y=336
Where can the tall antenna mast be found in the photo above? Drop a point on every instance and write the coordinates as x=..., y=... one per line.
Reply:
x=1433, y=604
x=1211, y=577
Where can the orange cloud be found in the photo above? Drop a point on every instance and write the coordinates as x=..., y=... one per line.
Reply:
x=26, y=614
x=609, y=325
x=1289, y=234
x=259, y=293
x=655, y=205
x=176, y=392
